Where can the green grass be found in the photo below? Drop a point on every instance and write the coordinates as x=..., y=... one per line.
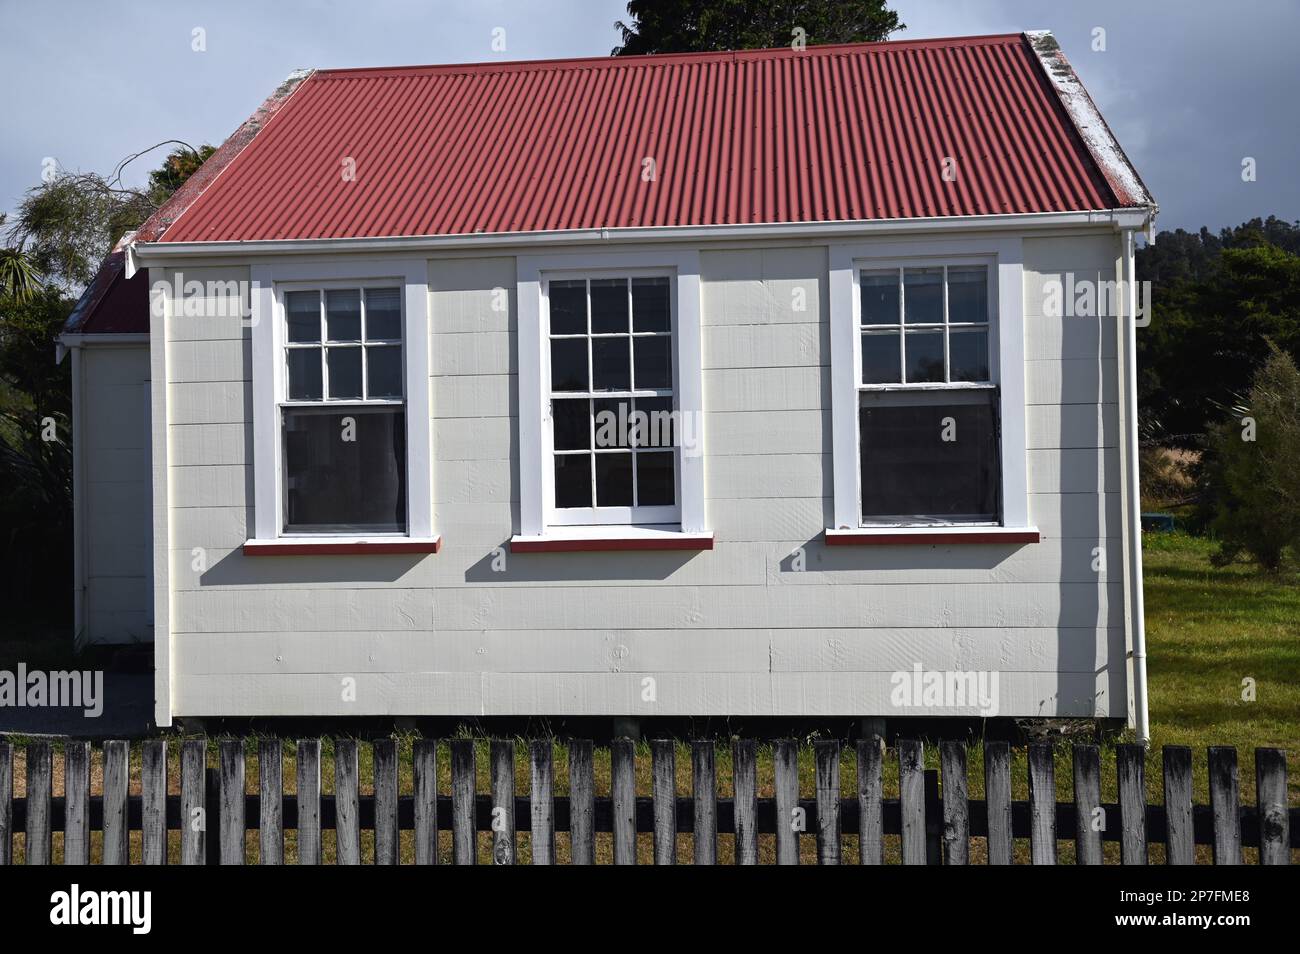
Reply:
x=1209, y=629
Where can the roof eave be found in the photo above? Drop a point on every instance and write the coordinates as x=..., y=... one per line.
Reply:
x=158, y=252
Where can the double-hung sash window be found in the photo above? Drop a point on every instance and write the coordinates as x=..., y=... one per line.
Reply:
x=926, y=347
x=343, y=417
x=610, y=383
x=341, y=424
x=613, y=404
x=927, y=418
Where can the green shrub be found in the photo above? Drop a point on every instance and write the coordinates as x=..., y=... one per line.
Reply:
x=1254, y=469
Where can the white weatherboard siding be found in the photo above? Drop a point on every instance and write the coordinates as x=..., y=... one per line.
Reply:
x=739, y=629
x=113, y=441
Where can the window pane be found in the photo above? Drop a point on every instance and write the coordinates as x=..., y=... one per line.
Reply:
x=302, y=315
x=654, y=479
x=573, y=480
x=923, y=295
x=345, y=372
x=650, y=305
x=614, y=479
x=383, y=371
x=968, y=353
x=569, y=364
x=304, y=374
x=654, y=361
x=568, y=301
x=608, y=305
x=383, y=314
x=656, y=427
x=343, y=315
x=909, y=469
x=572, y=424
x=610, y=364
x=924, y=355
x=333, y=484
x=613, y=422
x=880, y=359
x=967, y=293
x=879, y=298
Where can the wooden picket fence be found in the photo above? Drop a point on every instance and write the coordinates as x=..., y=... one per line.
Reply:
x=934, y=828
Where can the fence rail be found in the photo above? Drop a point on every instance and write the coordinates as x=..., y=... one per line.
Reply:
x=214, y=813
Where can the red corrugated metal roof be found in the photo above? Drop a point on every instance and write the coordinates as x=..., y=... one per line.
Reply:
x=832, y=133
x=112, y=303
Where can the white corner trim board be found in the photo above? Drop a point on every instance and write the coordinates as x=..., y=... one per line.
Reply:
x=269, y=373
x=1007, y=360
x=536, y=476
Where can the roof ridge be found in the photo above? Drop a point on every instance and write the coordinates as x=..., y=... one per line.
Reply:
x=615, y=62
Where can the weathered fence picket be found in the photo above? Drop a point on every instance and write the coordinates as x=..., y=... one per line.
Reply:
x=622, y=772
x=347, y=802
x=827, y=756
x=789, y=820
x=871, y=819
x=194, y=809
x=464, y=771
x=911, y=800
x=215, y=814
x=153, y=801
x=501, y=754
x=386, y=825
x=541, y=801
x=704, y=788
x=1089, y=816
x=40, y=787
x=582, y=802
x=270, y=771
x=1271, y=807
x=1225, y=804
x=76, y=787
x=663, y=769
x=744, y=773
x=1042, y=804
x=424, y=783
x=309, y=821
x=1180, y=836
x=997, y=801
x=956, y=804
x=234, y=827
x=6, y=803
x=1130, y=770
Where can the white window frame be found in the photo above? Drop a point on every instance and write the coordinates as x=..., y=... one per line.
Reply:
x=268, y=282
x=1005, y=259
x=538, y=516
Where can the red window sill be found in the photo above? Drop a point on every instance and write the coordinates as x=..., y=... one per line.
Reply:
x=298, y=547
x=595, y=544
x=851, y=538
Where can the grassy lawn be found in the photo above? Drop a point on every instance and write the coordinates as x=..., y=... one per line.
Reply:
x=1208, y=629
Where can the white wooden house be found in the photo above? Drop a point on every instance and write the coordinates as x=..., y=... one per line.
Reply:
x=759, y=383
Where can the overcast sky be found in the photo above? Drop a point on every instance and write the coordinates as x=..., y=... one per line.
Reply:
x=1190, y=89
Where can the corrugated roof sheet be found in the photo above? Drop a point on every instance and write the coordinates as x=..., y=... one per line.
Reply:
x=832, y=133
x=112, y=303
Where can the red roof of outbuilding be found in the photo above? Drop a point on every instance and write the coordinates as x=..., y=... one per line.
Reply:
x=832, y=133
x=112, y=303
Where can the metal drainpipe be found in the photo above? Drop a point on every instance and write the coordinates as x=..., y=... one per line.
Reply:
x=1141, y=717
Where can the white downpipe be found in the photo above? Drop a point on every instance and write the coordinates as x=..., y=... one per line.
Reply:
x=1141, y=718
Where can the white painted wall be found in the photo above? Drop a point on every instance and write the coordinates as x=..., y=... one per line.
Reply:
x=112, y=434
x=735, y=630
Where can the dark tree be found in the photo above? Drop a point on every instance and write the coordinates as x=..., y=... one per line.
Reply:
x=691, y=26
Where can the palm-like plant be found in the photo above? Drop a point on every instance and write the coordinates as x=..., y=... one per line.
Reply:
x=18, y=276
